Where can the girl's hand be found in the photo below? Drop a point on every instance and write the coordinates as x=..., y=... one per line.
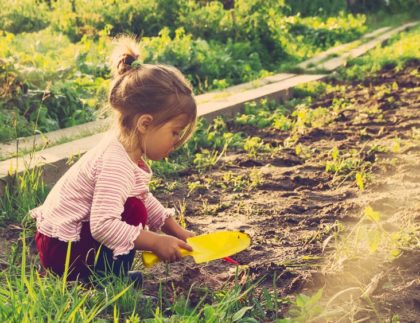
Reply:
x=184, y=234
x=173, y=228
x=167, y=248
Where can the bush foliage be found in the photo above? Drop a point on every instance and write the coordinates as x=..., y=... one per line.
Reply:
x=53, y=54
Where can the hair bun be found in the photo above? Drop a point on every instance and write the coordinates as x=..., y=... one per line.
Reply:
x=123, y=55
x=125, y=62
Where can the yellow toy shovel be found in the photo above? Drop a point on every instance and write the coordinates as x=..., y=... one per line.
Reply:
x=207, y=247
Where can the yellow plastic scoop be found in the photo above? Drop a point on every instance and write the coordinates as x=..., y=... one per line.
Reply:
x=208, y=247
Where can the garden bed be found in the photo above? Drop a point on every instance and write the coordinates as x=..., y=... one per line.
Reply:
x=289, y=204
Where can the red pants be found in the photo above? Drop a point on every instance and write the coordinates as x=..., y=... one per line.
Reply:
x=52, y=251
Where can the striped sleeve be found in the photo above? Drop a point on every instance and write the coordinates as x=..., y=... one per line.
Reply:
x=156, y=212
x=113, y=184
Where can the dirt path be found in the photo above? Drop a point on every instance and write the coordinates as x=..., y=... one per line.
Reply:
x=290, y=205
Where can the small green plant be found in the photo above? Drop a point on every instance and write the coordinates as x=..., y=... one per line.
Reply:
x=313, y=89
x=196, y=186
x=234, y=182
x=303, y=151
x=368, y=237
x=305, y=308
x=255, y=145
x=238, y=183
x=207, y=158
x=303, y=119
x=360, y=179
x=344, y=165
x=396, y=146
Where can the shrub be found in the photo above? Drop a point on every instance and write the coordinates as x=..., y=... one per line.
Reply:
x=81, y=17
x=316, y=7
x=23, y=16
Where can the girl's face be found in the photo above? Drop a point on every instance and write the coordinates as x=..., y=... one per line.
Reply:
x=159, y=142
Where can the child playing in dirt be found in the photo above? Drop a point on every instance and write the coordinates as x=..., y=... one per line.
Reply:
x=103, y=204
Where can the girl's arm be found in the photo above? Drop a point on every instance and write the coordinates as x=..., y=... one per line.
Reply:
x=172, y=228
x=159, y=219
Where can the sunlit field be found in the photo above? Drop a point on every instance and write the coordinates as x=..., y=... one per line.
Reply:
x=326, y=182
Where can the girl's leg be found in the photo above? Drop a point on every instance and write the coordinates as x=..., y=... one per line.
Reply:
x=53, y=252
x=135, y=213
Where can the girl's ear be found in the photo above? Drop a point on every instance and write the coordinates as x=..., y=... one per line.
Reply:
x=144, y=123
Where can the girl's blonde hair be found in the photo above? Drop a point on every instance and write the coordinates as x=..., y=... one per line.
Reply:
x=137, y=89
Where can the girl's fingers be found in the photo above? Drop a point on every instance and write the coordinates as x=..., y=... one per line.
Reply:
x=175, y=256
x=185, y=246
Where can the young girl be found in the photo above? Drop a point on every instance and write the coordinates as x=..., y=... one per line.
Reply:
x=102, y=205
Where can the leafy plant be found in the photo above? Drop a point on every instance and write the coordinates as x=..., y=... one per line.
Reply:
x=23, y=16
x=255, y=145
x=305, y=308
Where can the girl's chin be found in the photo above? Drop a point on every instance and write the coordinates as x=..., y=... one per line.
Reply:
x=157, y=158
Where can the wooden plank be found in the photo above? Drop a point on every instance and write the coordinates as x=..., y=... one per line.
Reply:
x=336, y=62
x=55, y=158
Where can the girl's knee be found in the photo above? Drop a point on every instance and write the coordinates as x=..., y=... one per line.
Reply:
x=135, y=212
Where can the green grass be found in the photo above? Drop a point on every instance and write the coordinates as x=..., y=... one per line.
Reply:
x=400, y=49
x=23, y=192
x=26, y=296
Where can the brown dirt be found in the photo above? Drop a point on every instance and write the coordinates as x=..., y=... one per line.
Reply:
x=296, y=204
x=8, y=237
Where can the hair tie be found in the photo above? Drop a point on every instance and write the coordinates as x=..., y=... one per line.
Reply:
x=127, y=59
x=136, y=64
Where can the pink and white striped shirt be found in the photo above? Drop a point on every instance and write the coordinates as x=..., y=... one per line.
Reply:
x=95, y=189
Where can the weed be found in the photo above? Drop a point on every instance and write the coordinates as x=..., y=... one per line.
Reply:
x=303, y=151
x=369, y=237
x=207, y=159
x=234, y=182
x=327, y=230
x=305, y=308
x=196, y=186
x=239, y=183
x=344, y=165
x=360, y=180
x=255, y=145
x=313, y=89
x=396, y=146
x=24, y=191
